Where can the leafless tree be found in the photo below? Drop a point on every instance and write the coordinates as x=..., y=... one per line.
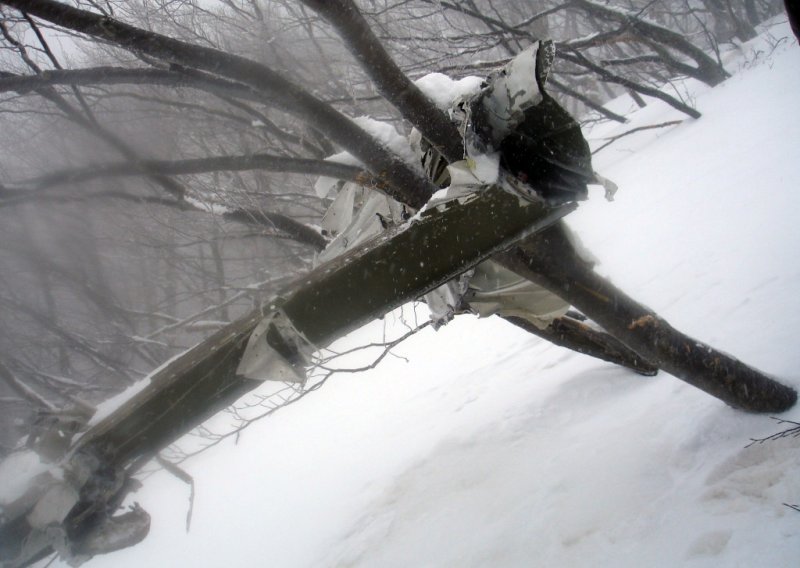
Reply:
x=158, y=169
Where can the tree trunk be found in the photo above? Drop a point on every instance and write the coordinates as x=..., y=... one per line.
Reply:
x=572, y=334
x=550, y=260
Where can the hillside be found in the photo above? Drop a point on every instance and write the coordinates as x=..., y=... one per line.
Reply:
x=480, y=445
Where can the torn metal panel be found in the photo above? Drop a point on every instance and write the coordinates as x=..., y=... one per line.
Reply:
x=276, y=351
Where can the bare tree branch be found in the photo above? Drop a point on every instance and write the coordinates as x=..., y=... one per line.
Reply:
x=707, y=69
x=406, y=183
x=550, y=260
x=176, y=77
x=391, y=82
x=87, y=119
x=580, y=59
x=635, y=130
x=23, y=390
x=265, y=162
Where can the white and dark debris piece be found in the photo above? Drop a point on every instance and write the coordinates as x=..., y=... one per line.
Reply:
x=539, y=142
x=548, y=160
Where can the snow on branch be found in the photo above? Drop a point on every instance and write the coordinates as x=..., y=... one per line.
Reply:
x=390, y=80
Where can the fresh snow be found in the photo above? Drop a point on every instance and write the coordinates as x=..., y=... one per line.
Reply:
x=383, y=133
x=386, y=135
x=110, y=405
x=214, y=208
x=17, y=472
x=445, y=91
x=481, y=445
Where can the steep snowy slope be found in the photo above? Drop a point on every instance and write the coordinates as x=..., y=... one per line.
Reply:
x=484, y=446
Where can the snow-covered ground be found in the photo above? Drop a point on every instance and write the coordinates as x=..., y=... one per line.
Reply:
x=480, y=445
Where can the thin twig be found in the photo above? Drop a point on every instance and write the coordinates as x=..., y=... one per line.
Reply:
x=388, y=346
x=792, y=432
x=613, y=139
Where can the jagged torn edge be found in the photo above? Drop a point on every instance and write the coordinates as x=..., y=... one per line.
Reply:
x=262, y=362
